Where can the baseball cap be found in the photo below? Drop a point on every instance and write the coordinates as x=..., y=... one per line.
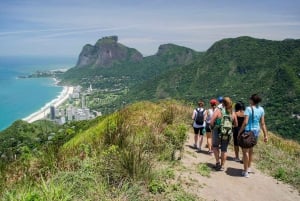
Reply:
x=213, y=102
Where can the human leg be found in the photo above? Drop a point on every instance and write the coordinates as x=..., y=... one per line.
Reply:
x=201, y=138
x=224, y=145
x=215, y=145
x=245, y=162
x=200, y=141
x=250, y=158
x=236, y=152
x=195, y=140
x=209, y=141
x=196, y=132
x=223, y=159
x=235, y=142
x=245, y=158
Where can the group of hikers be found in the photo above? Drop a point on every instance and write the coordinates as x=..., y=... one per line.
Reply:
x=224, y=120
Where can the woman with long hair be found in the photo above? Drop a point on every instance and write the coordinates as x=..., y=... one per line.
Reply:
x=218, y=139
x=254, y=120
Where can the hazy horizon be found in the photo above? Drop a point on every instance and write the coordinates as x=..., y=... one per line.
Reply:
x=63, y=27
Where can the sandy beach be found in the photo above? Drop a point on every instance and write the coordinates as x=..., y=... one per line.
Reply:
x=44, y=111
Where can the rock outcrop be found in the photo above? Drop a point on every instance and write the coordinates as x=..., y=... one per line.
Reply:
x=107, y=52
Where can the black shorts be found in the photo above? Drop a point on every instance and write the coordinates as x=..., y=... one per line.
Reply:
x=207, y=128
x=198, y=130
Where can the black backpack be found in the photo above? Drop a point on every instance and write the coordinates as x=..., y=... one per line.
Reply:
x=199, y=119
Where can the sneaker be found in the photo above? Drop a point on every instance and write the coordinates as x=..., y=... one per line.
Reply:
x=250, y=170
x=245, y=174
x=199, y=150
x=195, y=146
x=218, y=167
x=222, y=168
x=237, y=159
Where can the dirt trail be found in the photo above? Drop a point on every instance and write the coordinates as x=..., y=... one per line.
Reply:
x=229, y=185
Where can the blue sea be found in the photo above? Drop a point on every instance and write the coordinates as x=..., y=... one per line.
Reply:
x=21, y=97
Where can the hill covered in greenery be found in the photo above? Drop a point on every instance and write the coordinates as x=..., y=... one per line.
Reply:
x=132, y=154
x=236, y=67
x=126, y=155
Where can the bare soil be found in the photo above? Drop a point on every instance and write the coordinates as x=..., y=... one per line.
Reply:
x=228, y=184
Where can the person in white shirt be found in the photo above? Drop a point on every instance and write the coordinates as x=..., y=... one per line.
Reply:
x=199, y=128
x=210, y=112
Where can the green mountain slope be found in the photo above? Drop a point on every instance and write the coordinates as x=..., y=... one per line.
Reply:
x=238, y=68
x=127, y=154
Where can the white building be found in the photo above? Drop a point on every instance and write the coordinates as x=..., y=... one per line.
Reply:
x=69, y=113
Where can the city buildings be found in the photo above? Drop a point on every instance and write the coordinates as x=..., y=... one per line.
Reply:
x=75, y=110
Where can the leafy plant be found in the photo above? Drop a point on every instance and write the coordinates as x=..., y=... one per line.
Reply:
x=156, y=186
x=203, y=169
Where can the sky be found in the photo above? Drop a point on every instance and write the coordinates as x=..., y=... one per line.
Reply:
x=63, y=27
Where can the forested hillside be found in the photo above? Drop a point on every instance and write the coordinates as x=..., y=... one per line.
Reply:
x=236, y=67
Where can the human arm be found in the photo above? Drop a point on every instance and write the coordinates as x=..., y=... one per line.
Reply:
x=205, y=115
x=194, y=114
x=235, y=122
x=245, y=122
x=215, y=115
x=264, y=128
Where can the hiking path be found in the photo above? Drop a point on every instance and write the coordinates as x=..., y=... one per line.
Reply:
x=228, y=185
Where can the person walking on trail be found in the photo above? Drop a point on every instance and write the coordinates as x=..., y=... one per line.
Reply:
x=221, y=139
x=199, y=117
x=239, y=109
x=254, y=120
x=210, y=112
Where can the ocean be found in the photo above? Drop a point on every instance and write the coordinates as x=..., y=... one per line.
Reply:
x=21, y=97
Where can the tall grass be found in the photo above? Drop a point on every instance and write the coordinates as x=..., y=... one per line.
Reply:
x=112, y=160
x=280, y=158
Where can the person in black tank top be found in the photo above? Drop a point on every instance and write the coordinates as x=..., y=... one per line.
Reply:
x=239, y=112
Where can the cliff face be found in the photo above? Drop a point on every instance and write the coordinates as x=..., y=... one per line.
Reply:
x=106, y=52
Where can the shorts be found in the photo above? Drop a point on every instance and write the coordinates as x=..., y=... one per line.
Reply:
x=197, y=130
x=217, y=141
x=207, y=128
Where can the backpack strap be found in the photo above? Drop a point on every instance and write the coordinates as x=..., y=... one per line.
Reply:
x=252, y=118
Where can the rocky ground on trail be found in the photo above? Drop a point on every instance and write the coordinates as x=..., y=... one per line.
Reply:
x=228, y=184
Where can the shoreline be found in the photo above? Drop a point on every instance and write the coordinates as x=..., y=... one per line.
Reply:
x=45, y=110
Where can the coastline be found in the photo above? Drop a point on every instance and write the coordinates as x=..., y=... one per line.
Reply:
x=45, y=110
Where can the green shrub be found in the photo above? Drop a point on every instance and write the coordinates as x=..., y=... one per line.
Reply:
x=203, y=170
x=175, y=138
x=183, y=196
x=280, y=174
x=156, y=186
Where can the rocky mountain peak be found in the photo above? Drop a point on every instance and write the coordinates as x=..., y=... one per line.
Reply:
x=107, y=52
